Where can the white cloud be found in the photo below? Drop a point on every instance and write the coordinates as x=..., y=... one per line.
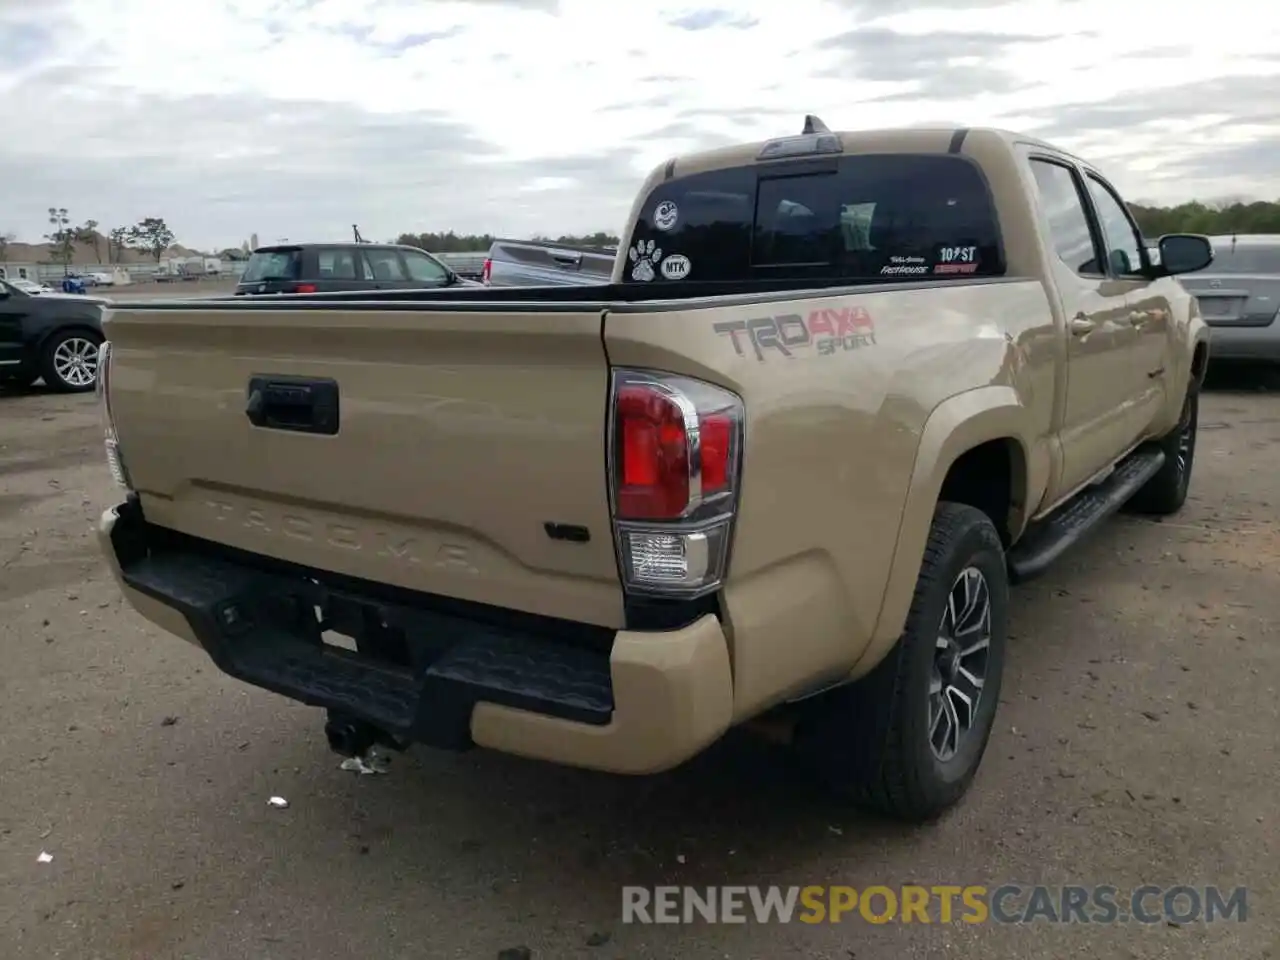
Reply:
x=298, y=117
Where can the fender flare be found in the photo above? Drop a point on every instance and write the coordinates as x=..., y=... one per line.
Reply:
x=956, y=426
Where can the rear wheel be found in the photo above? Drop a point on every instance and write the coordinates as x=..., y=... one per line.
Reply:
x=907, y=739
x=70, y=361
x=1166, y=492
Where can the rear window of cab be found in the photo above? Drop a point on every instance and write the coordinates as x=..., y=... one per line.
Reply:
x=866, y=218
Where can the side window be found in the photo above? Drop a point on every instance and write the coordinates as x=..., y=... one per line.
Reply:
x=337, y=264
x=384, y=265
x=1065, y=210
x=423, y=269
x=1124, y=243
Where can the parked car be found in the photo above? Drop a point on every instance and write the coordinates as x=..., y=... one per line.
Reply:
x=30, y=286
x=332, y=267
x=842, y=390
x=1239, y=296
x=49, y=336
x=525, y=263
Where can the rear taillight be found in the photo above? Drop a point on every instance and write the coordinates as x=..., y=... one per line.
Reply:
x=486, y=271
x=304, y=288
x=674, y=465
x=111, y=441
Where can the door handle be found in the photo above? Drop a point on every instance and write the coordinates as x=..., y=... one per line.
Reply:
x=1080, y=325
x=298, y=404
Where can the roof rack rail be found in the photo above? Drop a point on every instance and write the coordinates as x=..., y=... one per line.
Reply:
x=813, y=125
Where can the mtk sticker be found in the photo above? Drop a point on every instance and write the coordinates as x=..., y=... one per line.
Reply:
x=675, y=267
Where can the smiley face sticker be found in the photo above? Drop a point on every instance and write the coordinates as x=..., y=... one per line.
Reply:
x=665, y=215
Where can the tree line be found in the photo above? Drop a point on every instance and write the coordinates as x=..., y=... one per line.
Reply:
x=1212, y=219
x=152, y=235
x=451, y=242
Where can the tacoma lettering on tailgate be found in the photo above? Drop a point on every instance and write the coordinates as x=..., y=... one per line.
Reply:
x=828, y=330
x=391, y=545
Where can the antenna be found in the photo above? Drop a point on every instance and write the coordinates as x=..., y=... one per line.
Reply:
x=813, y=125
x=356, y=231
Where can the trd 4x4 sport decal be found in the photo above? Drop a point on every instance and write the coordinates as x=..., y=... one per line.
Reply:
x=828, y=331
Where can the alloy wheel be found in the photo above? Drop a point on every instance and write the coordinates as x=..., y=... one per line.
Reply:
x=959, y=663
x=76, y=361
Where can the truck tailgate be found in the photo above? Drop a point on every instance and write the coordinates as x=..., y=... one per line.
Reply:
x=466, y=455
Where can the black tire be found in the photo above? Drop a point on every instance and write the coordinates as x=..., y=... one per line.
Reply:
x=871, y=739
x=1166, y=492
x=51, y=367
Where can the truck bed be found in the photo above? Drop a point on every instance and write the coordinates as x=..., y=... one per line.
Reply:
x=472, y=425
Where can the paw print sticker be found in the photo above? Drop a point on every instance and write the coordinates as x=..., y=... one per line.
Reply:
x=644, y=255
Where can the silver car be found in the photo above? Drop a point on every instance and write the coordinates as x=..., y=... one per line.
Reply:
x=1239, y=296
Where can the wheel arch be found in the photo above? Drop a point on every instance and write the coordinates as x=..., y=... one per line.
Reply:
x=964, y=439
x=69, y=326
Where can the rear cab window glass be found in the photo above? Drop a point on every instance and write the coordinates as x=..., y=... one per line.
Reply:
x=272, y=265
x=867, y=218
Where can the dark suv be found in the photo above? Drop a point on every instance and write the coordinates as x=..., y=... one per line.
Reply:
x=333, y=267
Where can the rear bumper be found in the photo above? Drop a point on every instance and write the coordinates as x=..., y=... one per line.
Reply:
x=435, y=672
x=1244, y=343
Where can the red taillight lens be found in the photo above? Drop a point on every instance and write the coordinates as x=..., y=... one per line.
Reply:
x=677, y=444
x=656, y=419
x=716, y=432
x=305, y=288
x=486, y=271
x=653, y=454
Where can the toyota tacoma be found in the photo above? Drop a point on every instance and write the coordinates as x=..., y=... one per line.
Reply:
x=840, y=392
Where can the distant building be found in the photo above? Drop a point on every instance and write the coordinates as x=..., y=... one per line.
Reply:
x=19, y=271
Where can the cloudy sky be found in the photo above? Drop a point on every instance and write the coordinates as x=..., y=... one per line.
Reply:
x=297, y=118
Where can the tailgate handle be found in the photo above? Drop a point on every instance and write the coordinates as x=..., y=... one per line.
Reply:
x=299, y=404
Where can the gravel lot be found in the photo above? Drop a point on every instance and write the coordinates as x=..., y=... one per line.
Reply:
x=1137, y=744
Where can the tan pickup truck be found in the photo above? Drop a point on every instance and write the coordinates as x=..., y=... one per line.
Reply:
x=843, y=389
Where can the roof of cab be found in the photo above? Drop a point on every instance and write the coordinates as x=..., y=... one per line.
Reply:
x=331, y=244
x=927, y=139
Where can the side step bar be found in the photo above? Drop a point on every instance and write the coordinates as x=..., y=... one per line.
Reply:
x=1051, y=537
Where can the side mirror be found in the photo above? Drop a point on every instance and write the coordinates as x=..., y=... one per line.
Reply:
x=1184, y=253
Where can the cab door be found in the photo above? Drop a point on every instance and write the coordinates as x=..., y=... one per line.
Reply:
x=1097, y=394
x=1150, y=306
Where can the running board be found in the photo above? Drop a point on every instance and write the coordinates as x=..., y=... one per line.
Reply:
x=1048, y=539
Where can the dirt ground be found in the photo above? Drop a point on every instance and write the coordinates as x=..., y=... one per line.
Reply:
x=1137, y=743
